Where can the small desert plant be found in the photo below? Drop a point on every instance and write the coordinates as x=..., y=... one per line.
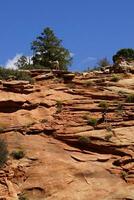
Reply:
x=115, y=78
x=109, y=128
x=58, y=80
x=44, y=120
x=59, y=106
x=130, y=98
x=121, y=93
x=71, y=85
x=22, y=197
x=1, y=129
x=84, y=140
x=3, y=153
x=123, y=174
x=119, y=109
x=126, y=75
x=104, y=105
x=103, y=62
x=108, y=137
x=92, y=122
x=18, y=154
x=100, y=81
x=89, y=83
x=111, y=131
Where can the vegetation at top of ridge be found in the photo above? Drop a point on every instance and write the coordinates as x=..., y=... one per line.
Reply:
x=91, y=69
x=103, y=62
x=23, y=63
x=115, y=78
x=13, y=74
x=47, y=47
x=127, y=54
x=108, y=137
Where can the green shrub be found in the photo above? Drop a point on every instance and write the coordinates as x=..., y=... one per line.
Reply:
x=3, y=153
x=6, y=74
x=115, y=78
x=111, y=131
x=119, y=107
x=121, y=93
x=104, y=105
x=89, y=83
x=92, y=122
x=18, y=154
x=124, y=174
x=59, y=106
x=1, y=129
x=126, y=53
x=108, y=137
x=22, y=197
x=44, y=120
x=20, y=75
x=109, y=127
x=130, y=98
x=84, y=140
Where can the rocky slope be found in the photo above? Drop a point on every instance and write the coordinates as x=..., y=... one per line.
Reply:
x=77, y=137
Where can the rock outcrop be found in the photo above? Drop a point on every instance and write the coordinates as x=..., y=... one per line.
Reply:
x=23, y=87
x=75, y=147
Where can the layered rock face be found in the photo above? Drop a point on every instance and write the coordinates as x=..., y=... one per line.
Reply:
x=77, y=138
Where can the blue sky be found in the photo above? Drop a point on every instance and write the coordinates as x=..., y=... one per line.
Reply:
x=90, y=29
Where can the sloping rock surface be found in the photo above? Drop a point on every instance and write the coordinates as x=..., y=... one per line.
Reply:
x=74, y=149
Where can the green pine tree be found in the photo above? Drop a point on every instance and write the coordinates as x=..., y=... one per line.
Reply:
x=22, y=62
x=48, y=48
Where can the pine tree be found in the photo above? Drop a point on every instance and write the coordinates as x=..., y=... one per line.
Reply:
x=48, y=48
x=22, y=62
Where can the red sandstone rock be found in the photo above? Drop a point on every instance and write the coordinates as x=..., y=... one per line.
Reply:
x=65, y=157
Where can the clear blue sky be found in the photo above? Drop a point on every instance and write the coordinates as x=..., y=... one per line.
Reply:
x=90, y=29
